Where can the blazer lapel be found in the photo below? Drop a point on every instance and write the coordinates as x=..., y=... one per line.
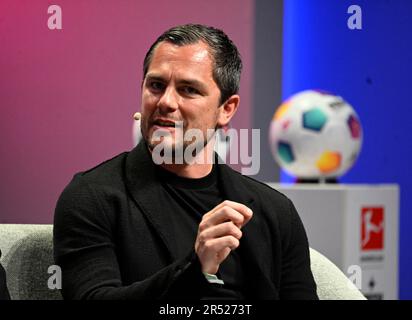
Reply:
x=254, y=251
x=146, y=190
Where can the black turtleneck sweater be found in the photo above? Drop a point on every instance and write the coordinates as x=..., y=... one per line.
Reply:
x=188, y=200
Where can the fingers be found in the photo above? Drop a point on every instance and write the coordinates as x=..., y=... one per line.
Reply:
x=220, y=230
x=219, y=233
x=236, y=212
x=217, y=245
x=220, y=216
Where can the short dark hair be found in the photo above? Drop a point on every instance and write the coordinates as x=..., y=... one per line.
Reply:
x=226, y=58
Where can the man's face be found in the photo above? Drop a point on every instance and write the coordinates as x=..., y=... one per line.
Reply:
x=179, y=88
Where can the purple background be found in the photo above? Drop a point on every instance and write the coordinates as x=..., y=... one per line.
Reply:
x=67, y=96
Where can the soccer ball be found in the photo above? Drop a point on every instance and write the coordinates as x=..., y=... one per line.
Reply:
x=315, y=135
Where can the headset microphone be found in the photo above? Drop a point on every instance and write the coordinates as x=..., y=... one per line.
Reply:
x=137, y=116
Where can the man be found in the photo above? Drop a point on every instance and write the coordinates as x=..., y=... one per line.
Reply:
x=132, y=228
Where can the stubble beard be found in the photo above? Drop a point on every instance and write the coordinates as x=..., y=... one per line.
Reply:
x=177, y=150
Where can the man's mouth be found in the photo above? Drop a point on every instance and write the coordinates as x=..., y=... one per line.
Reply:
x=164, y=123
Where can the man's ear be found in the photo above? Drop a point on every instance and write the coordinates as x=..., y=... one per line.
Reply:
x=228, y=110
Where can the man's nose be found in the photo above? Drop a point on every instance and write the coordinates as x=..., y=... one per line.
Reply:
x=168, y=101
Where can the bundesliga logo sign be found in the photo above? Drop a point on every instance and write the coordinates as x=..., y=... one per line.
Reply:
x=372, y=228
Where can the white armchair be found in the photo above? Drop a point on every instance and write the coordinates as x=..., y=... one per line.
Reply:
x=332, y=283
x=28, y=253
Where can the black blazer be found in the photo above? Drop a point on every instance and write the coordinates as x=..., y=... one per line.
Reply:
x=4, y=292
x=112, y=241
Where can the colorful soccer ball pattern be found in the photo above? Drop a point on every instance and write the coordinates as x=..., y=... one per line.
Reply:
x=315, y=135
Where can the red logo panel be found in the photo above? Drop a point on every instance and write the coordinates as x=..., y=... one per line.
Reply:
x=372, y=228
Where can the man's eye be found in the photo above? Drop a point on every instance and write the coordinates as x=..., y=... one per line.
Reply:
x=190, y=90
x=157, y=86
